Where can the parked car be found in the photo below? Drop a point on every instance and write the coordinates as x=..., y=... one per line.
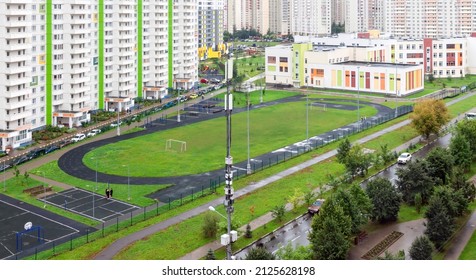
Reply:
x=78, y=137
x=204, y=81
x=4, y=166
x=51, y=148
x=93, y=132
x=114, y=124
x=36, y=153
x=404, y=158
x=20, y=160
x=315, y=207
x=193, y=95
x=214, y=81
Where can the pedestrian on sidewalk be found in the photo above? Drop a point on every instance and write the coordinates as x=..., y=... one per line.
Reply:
x=110, y=192
x=107, y=193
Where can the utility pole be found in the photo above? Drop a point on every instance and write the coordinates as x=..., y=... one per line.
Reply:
x=228, y=203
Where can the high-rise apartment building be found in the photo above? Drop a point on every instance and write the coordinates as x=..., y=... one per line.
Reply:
x=310, y=17
x=338, y=11
x=429, y=18
x=61, y=59
x=210, y=23
x=356, y=16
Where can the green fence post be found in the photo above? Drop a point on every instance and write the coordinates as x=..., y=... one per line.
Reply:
x=54, y=249
x=169, y=203
x=71, y=243
x=131, y=218
x=87, y=235
x=144, y=212
x=181, y=197
x=117, y=224
x=102, y=229
x=157, y=208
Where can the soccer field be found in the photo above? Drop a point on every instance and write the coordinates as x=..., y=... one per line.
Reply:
x=271, y=128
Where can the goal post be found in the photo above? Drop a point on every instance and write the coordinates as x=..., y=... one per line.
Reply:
x=175, y=145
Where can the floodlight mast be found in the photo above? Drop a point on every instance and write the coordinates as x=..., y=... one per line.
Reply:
x=228, y=160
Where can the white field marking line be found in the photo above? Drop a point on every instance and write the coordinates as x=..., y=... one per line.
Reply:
x=105, y=218
x=82, y=204
x=6, y=248
x=46, y=218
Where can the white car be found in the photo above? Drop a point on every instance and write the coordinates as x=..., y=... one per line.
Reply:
x=114, y=124
x=78, y=137
x=404, y=158
x=93, y=132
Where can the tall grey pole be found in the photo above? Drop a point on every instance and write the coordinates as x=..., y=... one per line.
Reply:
x=307, y=112
x=396, y=89
x=4, y=178
x=94, y=189
x=118, y=126
x=248, y=165
x=358, y=95
x=128, y=183
x=228, y=160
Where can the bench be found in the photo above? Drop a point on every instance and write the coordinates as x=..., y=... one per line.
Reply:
x=34, y=191
x=217, y=110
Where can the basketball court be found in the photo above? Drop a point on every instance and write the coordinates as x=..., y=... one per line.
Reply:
x=92, y=205
x=22, y=229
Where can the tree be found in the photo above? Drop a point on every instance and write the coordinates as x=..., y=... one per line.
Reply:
x=210, y=225
x=259, y=253
x=330, y=232
x=454, y=201
x=467, y=128
x=413, y=179
x=461, y=151
x=343, y=151
x=429, y=116
x=356, y=204
x=289, y=253
x=296, y=199
x=385, y=200
x=386, y=154
x=357, y=162
x=431, y=78
x=459, y=182
x=309, y=197
x=421, y=249
x=278, y=212
x=248, y=233
x=210, y=255
x=440, y=164
x=439, y=225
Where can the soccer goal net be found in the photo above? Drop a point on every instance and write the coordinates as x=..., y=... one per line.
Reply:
x=175, y=145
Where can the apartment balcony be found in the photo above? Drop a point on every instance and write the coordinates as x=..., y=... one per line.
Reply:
x=79, y=80
x=14, y=104
x=17, y=70
x=78, y=70
x=15, y=35
x=80, y=2
x=79, y=60
x=16, y=1
x=78, y=40
x=18, y=12
x=78, y=90
x=76, y=21
x=17, y=116
x=13, y=46
x=15, y=81
x=16, y=23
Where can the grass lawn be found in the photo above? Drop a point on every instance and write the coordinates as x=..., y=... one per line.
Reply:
x=250, y=66
x=283, y=123
x=138, y=192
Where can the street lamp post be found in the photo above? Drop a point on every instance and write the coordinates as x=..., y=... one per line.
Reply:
x=248, y=165
x=396, y=89
x=94, y=189
x=4, y=177
x=178, y=104
x=128, y=183
x=307, y=112
x=118, y=126
x=229, y=159
x=358, y=95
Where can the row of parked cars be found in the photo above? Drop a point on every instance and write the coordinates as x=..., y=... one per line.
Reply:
x=46, y=150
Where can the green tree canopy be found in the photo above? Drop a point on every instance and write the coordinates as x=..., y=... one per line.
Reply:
x=440, y=164
x=429, y=116
x=385, y=200
x=421, y=249
x=413, y=179
x=439, y=225
x=330, y=233
x=461, y=151
x=259, y=253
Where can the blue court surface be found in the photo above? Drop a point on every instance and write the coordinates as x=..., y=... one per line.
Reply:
x=89, y=204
